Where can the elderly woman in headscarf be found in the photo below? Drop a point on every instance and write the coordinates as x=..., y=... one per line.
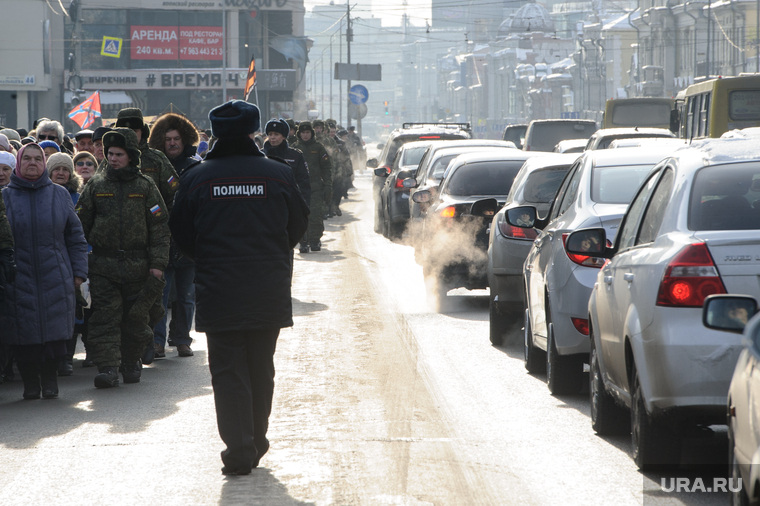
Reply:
x=60, y=168
x=7, y=164
x=51, y=262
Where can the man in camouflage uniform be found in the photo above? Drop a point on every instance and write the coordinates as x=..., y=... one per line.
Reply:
x=153, y=163
x=343, y=172
x=323, y=137
x=320, y=174
x=126, y=222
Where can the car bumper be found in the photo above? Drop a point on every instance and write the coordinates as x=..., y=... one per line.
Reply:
x=683, y=364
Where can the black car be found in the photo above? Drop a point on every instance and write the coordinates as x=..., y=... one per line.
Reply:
x=394, y=196
x=453, y=242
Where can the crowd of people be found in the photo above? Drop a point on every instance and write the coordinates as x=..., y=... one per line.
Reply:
x=86, y=249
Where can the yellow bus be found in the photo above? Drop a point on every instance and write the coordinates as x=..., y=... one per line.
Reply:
x=650, y=112
x=712, y=108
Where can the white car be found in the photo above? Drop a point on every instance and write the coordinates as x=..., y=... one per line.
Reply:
x=595, y=192
x=692, y=230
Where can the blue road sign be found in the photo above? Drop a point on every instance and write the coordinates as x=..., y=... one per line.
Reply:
x=358, y=94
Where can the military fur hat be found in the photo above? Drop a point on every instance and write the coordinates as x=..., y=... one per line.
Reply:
x=304, y=126
x=235, y=118
x=131, y=117
x=123, y=138
x=318, y=123
x=99, y=132
x=331, y=123
x=279, y=126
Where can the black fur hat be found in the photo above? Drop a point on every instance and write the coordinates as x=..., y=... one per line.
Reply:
x=279, y=126
x=235, y=118
x=130, y=117
x=124, y=138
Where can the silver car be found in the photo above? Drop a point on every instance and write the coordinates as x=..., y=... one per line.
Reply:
x=692, y=230
x=536, y=184
x=732, y=313
x=596, y=192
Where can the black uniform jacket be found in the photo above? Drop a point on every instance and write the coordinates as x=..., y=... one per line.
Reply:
x=239, y=215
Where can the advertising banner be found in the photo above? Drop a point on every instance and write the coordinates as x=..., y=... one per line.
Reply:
x=176, y=42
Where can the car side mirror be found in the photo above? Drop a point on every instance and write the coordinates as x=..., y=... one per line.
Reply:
x=381, y=172
x=523, y=217
x=372, y=163
x=486, y=208
x=590, y=242
x=422, y=197
x=409, y=183
x=728, y=312
x=405, y=174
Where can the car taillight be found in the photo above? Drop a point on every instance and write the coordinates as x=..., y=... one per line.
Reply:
x=690, y=277
x=513, y=232
x=585, y=260
x=387, y=169
x=399, y=183
x=448, y=212
x=581, y=325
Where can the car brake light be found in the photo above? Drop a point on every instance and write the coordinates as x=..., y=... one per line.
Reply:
x=585, y=260
x=448, y=212
x=430, y=136
x=513, y=232
x=581, y=325
x=690, y=277
x=399, y=183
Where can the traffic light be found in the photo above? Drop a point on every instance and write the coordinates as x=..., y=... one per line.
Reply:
x=386, y=107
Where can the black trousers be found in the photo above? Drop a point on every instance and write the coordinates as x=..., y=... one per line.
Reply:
x=242, y=375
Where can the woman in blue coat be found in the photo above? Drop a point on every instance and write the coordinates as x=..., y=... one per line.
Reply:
x=51, y=261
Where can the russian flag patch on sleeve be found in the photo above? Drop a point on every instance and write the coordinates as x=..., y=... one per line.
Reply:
x=155, y=210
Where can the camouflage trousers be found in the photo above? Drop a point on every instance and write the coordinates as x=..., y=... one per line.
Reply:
x=119, y=328
x=316, y=217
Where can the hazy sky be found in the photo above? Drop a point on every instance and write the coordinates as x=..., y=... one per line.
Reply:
x=389, y=10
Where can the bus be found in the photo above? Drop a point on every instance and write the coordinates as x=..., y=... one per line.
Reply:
x=650, y=112
x=713, y=107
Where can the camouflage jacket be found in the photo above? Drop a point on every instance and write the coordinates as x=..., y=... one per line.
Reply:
x=318, y=163
x=6, y=235
x=155, y=165
x=126, y=223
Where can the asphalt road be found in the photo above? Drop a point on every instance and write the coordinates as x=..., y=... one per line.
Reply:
x=379, y=400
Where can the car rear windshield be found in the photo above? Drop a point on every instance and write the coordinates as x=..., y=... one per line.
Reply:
x=725, y=197
x=542, y=185
x=413, y=156
x=439, y=165
x=617, y=184
x=483, y=178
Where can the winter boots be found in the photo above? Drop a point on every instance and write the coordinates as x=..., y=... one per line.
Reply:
x=107, y=377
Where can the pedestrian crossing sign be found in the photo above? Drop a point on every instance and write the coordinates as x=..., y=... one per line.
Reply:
x=111, y=46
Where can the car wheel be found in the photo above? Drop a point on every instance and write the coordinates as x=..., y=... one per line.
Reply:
x=653, y=445
x=739, y=496
x=607, y=417
x=564, y=375
x=535, y=359
x=497, y=323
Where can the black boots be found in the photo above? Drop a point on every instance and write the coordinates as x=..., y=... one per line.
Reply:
x=107, y=377
x=66, y=366
x=131, y=372
x=49, y=376
x=30, y=374
x=39, y=379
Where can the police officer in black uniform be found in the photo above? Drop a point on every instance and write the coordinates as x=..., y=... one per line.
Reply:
x=239, y=215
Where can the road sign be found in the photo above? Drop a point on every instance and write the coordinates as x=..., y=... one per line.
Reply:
x=358, y=94
x=357, y=111
x=111, y=47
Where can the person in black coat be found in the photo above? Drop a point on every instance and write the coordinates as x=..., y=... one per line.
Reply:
x=276, y=146
x=239, y=214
